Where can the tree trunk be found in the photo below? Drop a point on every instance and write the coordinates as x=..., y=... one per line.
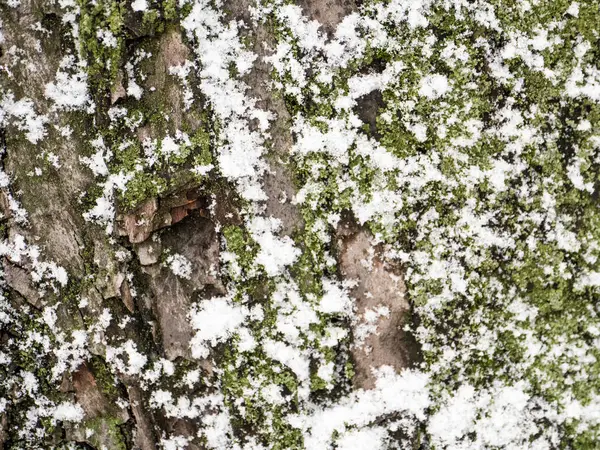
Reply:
x=88, y=89
x=310, y=224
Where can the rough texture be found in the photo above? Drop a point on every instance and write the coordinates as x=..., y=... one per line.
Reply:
x=377, y=284
x=252, y=225
x=128, y=273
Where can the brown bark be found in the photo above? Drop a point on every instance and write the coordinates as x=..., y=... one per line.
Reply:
x=179, y=221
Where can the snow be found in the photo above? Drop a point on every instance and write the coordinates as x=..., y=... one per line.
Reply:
x=107, y=38
x=169, y=147
x=507, y=425
x=275, y=252
x=134, y=90
x=335, y=299
x=68, y=412
x=139, y=5
x=217, y=46
x=372, y=438
x=214, y=320
x=433, y=86
x=26, y=118
x=175, y=442
x=103, y=212
x=69, y=91
x=134, y=362
x=393, y=393
x=289, y=356
x=465, y=192
x=97, y=162
x=573, y=9
x=180, y=266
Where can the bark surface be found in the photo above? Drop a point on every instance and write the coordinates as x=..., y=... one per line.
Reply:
x=126, y=271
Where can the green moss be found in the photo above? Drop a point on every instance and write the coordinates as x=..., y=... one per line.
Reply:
x=240, y=242
x=140, y=188
x=96, y=16
x=317, y=383
x=104, y=377
x=152, y=22
x=170, y=9
x=201, y=147
x=107, y=430
x=235, y=383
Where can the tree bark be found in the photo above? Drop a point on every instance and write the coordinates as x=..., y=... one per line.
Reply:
x=126, y=272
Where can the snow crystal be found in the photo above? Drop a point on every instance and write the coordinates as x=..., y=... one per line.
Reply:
x=139, y=5
x=275, y=253
x=405, y=392
x=27, y=119
x=289, y=356
x=69, y=91
x=180, y=266
x=215, y=321
x=434, y=86
x=68, y=412
x=335, y=299
x=135, y=361
x=371, y=438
